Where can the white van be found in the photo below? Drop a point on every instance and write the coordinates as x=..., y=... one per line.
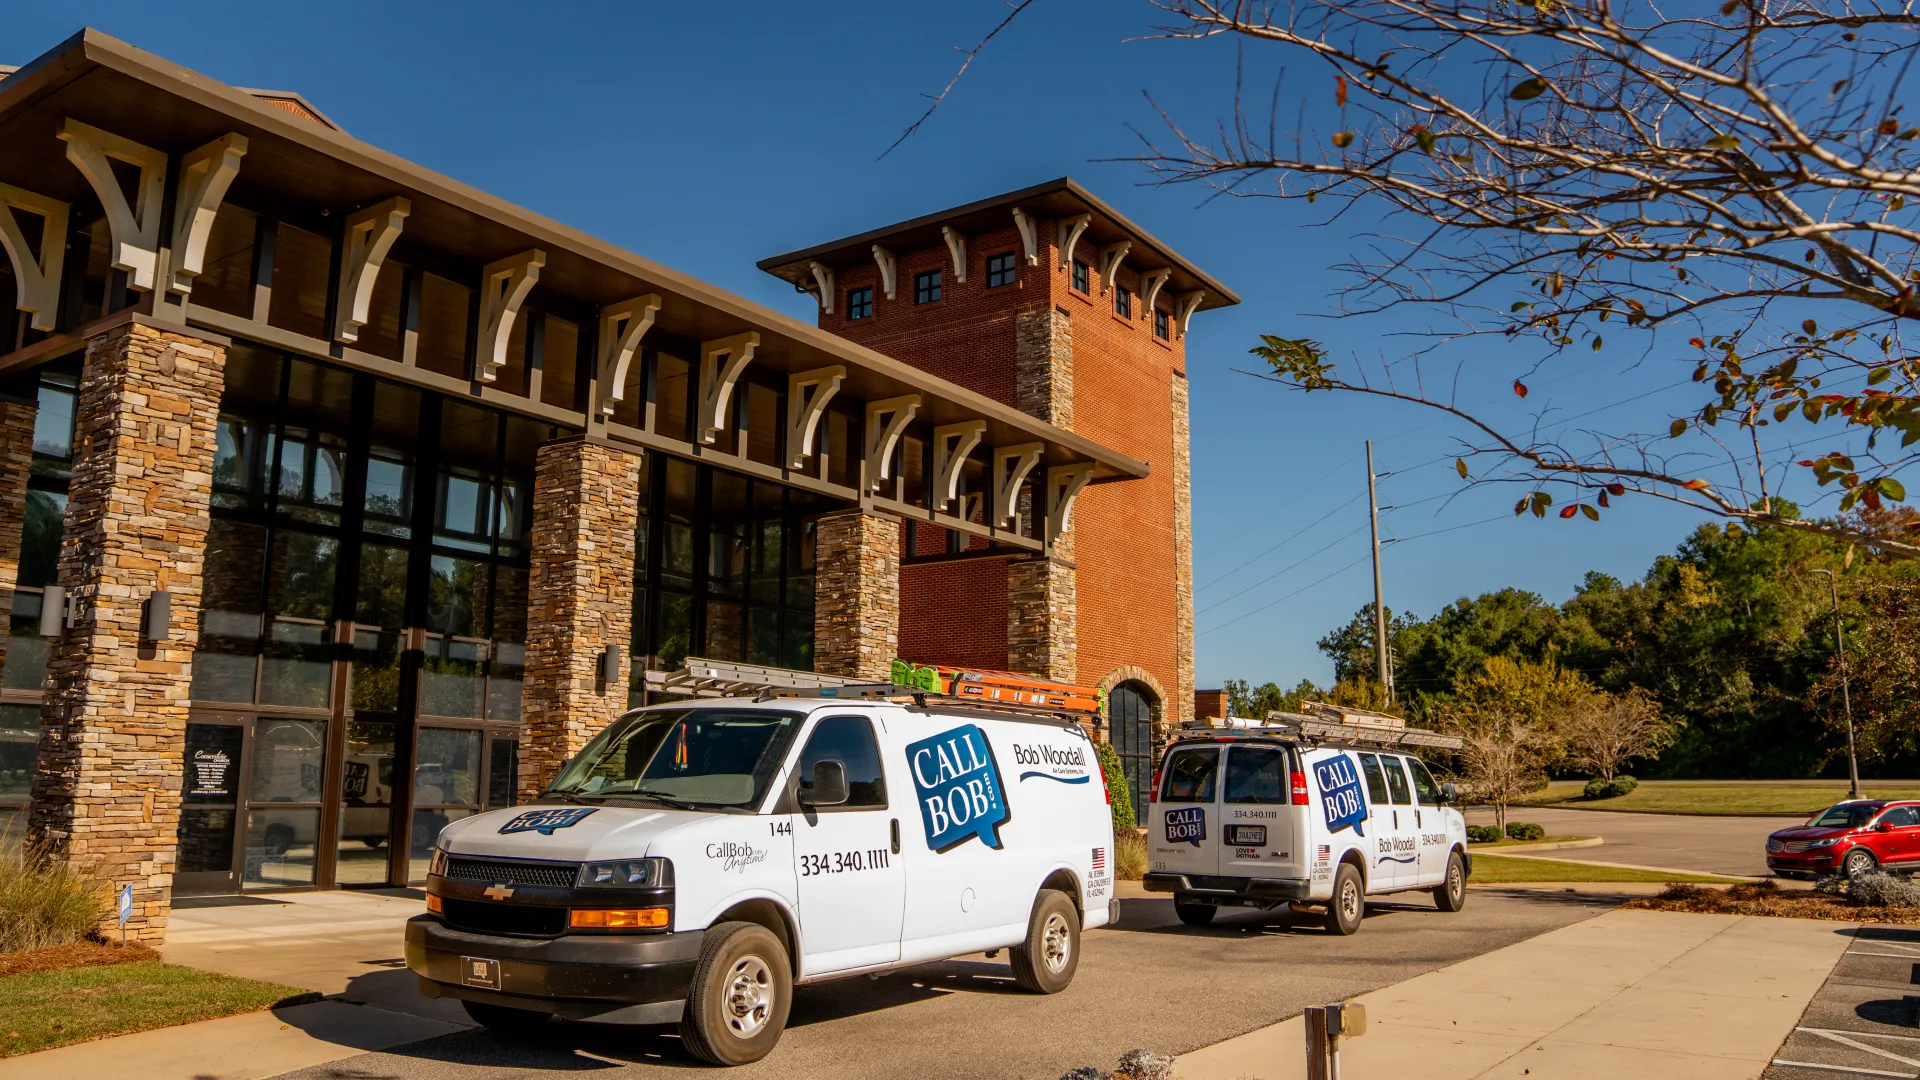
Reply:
x=1253, y=819
x=698, y=860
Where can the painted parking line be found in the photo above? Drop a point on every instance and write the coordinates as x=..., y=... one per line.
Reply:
x=1844, y=1069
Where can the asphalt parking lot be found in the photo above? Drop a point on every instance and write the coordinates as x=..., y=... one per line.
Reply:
x=1149, y=982
x=1863, y=1021
x=1709, y=845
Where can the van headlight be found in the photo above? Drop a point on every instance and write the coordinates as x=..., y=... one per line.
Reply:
x=438, y=866
x=626, y=874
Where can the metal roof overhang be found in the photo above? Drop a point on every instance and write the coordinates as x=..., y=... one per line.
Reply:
x=100, y=80
x=1062, y=198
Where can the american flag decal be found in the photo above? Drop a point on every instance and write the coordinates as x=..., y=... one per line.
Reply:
x=1323, y=852
x=1099, y=859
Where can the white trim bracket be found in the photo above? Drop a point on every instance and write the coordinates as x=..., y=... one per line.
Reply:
x=1071, y=228
x=504, y=286
x=1150, y=285
x=1011, y=464
x=956, y=247
x=951, y=445
x=370, y=236
x=205, y=176
x=1111, y=257
x=1185, y=305
x=889, y=269
x=721, y=362
x=804, y=410
x=622, y=325
x=822, y=285
x=1063, y=486
x=36, y=281
x=1029, y=235
x=136, y=228
x=882, y=438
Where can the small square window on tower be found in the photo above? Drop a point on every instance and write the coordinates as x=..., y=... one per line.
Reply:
x=860, y=302
x=1082, y=276
x=926, y=287
x=1000, y=270
x=1122, y=302
x=1162, y=324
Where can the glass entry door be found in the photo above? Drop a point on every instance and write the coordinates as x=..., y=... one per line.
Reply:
x=210, y=806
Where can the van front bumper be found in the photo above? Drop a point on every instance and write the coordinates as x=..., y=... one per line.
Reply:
x=638, y=978
x=1212, y=886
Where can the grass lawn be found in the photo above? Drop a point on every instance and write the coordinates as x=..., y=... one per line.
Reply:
x=1496, y=870
x=43, y=1009
x=1680, y=798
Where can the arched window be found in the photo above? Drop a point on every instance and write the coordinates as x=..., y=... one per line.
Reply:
x=1130, y=726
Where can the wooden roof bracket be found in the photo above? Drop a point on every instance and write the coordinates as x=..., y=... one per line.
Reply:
x=889, y=269
x=205, y=176
x=1152, y=283
x=1011, y=464
x=1063, y=486
x=1185, y=305
x=1071, y=228
x=504, y=286
x=882, y=438
x=622, y=325
x=823, y=285
x=136, y=228
x=1029, y=235
x=957, y=247
x=1111, y=257
x=370, y=236
x=721, y=362
x=951, y=445
x=807, y=395
x=36, y=280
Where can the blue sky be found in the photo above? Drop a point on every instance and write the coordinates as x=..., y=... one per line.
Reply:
x=709, y=136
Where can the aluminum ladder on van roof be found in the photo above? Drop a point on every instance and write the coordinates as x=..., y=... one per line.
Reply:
x=1318, y=729
x=700, y=677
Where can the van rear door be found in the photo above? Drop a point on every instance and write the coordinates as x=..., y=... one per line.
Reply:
x=1186, y=833
x=1257, y=833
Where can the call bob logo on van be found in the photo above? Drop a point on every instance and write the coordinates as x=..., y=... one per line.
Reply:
x=1341, y=800
x=957, y=783
x=545, y=821
x=1187, y=826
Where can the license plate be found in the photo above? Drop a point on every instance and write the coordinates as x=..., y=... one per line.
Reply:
x=484, y=974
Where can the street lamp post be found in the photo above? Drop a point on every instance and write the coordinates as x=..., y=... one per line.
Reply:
x=1846, y=698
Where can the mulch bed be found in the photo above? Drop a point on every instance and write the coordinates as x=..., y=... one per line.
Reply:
x=78, y=954
x=1763, y=898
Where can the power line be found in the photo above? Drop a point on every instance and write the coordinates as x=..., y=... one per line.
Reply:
x=1290, y=503
x=1330, y=546
x=1289, y=596
x=1452, y=528
x=1279, y=545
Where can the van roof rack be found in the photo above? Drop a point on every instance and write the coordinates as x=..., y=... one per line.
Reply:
x=1002, y=694
x=1330, y=724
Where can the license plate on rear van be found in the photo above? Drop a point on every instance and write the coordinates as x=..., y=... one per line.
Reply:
x=484, y=974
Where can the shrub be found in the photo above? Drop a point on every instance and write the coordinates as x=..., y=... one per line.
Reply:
x=1117, y=793
x=1610, y=789
x=1884, y=890
x=1129, y=855
x=44, y=901
x=1525, y=830
x=1622, y=785
x=1831, y=885
x=1482, y=834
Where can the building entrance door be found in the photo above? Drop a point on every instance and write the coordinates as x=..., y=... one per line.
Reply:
x=210, y=807
x=1130, y=726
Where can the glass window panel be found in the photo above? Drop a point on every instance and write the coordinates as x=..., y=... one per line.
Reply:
x=1424, y=788
x=848, y=740
x=232, y=441
x=302, y=264
x=506, y=669
x=1396, y=781
x=764, y=637
x=800, y=566
x=453, y=679
x=288, y=759
x=797, y=641
x=386, y=313
x=503, y=772
x=674, y=633
x=426, y=829
x=46, y=519
x=389, y=504
x=297, y=657
x=448, y=769
x=320, y=395
x=510, y=520
x=281, y=849
x=366, y=788
x=466, y=513
x=1257, y=774
x=1190, y=775
x=444, y=306
x=637, y=646
x=671, y=387
x=53, y=431
x=769, y=544
x=251, y=382
x=560, y=363
x=232, y=591
x=19, y=742
x=205, y=835
x=225, y=282
x=1376, y=784
x=726, y=630
x=380, y=611
x=27, y=651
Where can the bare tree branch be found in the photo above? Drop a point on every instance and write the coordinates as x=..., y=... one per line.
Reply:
x=941, y=97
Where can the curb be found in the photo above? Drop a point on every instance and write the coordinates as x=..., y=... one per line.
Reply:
x=1667, y=813
x=1632, y=866
x=1557, y=845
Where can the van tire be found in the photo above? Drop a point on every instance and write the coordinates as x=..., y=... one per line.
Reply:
x=504, y=1020
x=1194, y=914
x=1451, y=895
x=1045, y=962
x=1348, y=904
x=741, y=992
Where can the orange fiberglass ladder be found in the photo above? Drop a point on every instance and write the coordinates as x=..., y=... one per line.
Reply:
x=1004, y=688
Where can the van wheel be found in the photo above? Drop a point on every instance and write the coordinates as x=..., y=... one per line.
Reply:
x=504, y=1020
x=1045, y=962
x=1194, y=914
x=1348, y=903
x=1452, y=893
x=742, y=988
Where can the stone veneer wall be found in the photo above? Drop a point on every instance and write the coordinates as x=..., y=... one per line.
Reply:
x=16, y=460
x=856, y=607
x=586, y=505
x=1042, y=638
x=107, y=790
x=1182, y=550
x=1043, y=366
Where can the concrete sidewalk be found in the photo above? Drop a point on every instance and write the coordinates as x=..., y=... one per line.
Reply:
x=1631, y=993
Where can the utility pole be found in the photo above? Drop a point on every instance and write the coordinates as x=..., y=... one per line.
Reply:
x=1384, y=668
x=1846, y=696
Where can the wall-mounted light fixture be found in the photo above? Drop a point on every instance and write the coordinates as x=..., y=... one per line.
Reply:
x=156, y=616
x=53, y=611
x=610, y=664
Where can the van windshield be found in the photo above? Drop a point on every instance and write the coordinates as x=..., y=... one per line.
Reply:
x=703, y=757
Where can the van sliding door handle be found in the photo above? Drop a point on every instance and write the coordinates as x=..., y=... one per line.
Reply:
x=896, y=835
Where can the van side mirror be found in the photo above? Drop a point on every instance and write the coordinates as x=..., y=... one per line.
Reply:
x=828, y=786
x=1449, y=795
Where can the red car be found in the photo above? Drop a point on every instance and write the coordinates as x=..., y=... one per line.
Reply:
x=1849, y=838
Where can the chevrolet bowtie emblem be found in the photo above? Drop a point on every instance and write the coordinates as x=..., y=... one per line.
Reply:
x=498, y=892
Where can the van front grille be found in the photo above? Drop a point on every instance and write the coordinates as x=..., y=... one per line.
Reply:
x=480, y=917
x=512, y=872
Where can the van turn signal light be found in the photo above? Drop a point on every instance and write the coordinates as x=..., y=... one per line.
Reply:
x=1299, y=784
x=648, y=918
x=433, y=903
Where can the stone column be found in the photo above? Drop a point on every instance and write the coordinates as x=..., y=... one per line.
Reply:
x=1043, y=366
x=1042, y=638
x=856, y=601
x=106, y=793
x=16, y=459
x=1182, y=552
x=586, y=505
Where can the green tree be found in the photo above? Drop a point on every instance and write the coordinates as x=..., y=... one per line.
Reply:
x=1508, y=718
x=1119, y=800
